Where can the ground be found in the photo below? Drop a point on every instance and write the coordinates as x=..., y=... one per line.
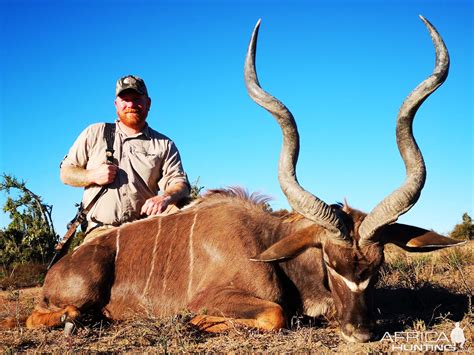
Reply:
x=419, y=296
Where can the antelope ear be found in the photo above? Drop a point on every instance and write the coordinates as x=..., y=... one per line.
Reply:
x=291, y=246
x=416, y=239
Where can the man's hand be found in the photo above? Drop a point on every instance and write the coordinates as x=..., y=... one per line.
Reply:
x=155, y=205
x=103, y=175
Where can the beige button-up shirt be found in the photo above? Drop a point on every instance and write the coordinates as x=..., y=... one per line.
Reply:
x=148, y=162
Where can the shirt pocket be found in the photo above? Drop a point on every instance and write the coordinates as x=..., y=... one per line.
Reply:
x=146, y=163
x=142, y=153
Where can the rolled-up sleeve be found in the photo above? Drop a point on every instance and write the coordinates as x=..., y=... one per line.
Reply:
x=172, y=169
x=79, y=152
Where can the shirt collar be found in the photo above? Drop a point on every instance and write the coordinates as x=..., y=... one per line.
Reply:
x=146, y=131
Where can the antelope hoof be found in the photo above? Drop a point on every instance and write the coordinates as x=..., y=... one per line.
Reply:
x=68, y=328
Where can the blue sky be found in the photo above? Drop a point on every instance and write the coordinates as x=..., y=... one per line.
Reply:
x=342, y=67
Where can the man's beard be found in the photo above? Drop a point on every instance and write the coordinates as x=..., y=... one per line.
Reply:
x=132, y=118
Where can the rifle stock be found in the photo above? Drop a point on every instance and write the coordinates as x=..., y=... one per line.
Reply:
x=63, y=246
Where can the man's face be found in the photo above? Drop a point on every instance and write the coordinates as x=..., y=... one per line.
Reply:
x=132, y=108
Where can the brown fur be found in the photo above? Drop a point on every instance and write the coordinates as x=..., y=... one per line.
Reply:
x=200, y=259
x=52, y=319
x=12, y=322
x=164, y=264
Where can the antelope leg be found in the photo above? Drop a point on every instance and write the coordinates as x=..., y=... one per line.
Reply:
x=227, y=308
x=41, y=318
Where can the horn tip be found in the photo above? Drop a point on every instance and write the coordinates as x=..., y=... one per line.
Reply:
x=258, y=23
x=427, y=23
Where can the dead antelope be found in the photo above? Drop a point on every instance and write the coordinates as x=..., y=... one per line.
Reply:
x=231, y=262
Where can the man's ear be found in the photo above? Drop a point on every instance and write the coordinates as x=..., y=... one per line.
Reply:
x=416, y=239
x=292, y=245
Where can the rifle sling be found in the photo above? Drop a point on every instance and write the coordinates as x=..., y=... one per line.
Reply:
x=62, y=247
x=79, y=219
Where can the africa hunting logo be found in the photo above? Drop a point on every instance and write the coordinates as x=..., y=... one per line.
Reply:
x=427, y=341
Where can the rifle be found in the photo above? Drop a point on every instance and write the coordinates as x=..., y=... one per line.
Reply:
x=63, y=246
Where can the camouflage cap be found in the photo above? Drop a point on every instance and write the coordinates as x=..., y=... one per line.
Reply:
x=131, y=82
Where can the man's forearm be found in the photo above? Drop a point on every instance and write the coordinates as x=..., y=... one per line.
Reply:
x=75, y=176
x=177, y=192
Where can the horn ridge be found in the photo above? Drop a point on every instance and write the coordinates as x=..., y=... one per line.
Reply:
x=403, y=198
x=299, y=199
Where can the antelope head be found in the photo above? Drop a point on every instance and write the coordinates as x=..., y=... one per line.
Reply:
x=352, y=242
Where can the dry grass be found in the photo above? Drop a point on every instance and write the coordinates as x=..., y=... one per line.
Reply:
x=415, y=292
x=23, y=275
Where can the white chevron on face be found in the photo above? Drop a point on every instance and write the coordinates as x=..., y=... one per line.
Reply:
x=353, y=286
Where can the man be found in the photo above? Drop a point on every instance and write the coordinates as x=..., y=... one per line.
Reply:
x=145, y=162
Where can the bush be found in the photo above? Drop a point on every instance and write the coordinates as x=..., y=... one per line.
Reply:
x=465, y=229
x=30, y=236
x=22, y=275
x=17, y=247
